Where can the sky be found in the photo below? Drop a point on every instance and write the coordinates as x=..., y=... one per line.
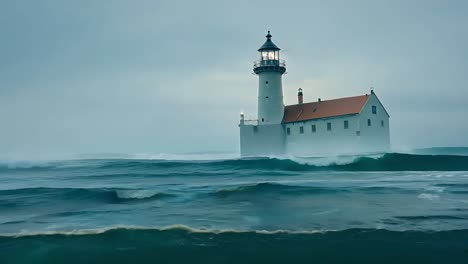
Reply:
x=157, y=76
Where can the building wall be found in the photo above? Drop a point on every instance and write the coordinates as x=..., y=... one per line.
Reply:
x=261, y=140
x=336, y=141
x=374, y=138
x=357, y=138
x=270, y=98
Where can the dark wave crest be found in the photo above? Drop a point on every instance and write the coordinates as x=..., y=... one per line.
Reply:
x=432, y=217
x=102, y=195
x=408, y=162
x=265, y=188
x=385, y=162
x=185, y=245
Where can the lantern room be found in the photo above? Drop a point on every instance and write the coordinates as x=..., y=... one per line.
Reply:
x=269, y=58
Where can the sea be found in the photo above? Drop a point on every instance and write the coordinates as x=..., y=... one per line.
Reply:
x=402, y=207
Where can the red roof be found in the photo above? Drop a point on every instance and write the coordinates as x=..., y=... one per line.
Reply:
x=324, y=109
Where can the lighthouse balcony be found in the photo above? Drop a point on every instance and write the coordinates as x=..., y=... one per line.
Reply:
x=251, y=122
x=269, y=65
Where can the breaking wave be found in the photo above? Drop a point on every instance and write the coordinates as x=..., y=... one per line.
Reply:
x=384, y=162
x=95, y=195
x=282, y=189
x=183, y=244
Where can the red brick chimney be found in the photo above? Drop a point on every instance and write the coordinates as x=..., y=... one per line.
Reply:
x=300, y=99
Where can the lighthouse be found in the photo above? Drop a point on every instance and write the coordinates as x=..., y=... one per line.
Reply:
x=340, y=126
x=270, y=69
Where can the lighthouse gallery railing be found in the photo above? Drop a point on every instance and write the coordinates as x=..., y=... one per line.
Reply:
x=260, y=63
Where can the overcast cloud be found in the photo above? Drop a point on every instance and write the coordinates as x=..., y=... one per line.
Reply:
x=172, y=76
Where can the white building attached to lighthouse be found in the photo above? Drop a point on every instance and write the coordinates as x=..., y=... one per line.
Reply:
x=351, y=125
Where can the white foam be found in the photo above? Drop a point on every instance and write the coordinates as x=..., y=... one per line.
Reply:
x=97, y=231
x=435, y=189
x=332, y=160
x=136, y=194
x=429, y=196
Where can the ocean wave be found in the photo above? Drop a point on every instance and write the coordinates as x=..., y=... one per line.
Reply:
x=203, y=230
x=454, y=188
x=170, y=228
x=265, y=188
x=429, y=196
x=107, y=195
x=274, y=188
x=386, y=162
x=140, y=194
x=183, y=244
x=432, y=217
x=383, y=162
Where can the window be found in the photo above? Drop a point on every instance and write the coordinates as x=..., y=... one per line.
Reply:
x=288, y=131
x=266, y=82
x=382, y=123
x=263, y=119
x=368, y=122
x=313, y=129
x=271, y=55
x=329, y=126
x=346, y=125
x=374, y=109
x=301, y=130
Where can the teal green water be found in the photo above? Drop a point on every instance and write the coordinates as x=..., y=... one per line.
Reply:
x=179, y=245
x=391, y=208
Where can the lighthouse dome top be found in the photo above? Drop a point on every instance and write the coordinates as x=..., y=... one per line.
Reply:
x=268, y=45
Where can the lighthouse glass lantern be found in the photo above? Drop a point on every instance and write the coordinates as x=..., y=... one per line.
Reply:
x=269, y=55
x=269, y=52
x=269, y=58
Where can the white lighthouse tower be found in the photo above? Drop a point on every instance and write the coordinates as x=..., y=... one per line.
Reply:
x=266, y=135
x=270, y=89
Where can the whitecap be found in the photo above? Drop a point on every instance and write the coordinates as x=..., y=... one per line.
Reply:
x=25, y=233
x=136, y=194
x=429, y=196
x=435, y=189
